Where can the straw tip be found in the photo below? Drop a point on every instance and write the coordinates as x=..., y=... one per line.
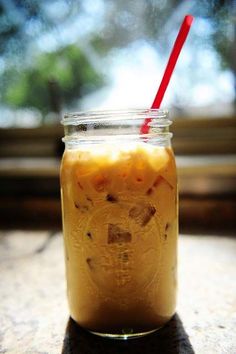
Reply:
x=188, y=19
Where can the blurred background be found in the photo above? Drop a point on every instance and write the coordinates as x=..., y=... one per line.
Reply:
x=68, y=55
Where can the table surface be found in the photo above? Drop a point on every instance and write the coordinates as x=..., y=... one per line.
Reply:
x=34, y=315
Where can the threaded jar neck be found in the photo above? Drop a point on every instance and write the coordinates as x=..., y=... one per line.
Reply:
x=94, y=127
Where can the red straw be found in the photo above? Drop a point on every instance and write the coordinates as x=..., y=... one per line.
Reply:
x=179, y=42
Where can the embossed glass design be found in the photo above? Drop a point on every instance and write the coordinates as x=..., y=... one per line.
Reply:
x=120, y=221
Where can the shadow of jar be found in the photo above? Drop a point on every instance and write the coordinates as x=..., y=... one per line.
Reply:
x=171, y=339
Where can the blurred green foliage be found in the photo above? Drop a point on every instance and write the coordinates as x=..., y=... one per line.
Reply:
x=50, y=80
x=65, y=74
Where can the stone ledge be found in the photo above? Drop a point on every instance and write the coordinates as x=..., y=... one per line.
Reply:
x=34, y=312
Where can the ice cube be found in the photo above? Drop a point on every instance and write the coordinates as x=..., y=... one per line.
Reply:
x=142, y=213
x=118, y=235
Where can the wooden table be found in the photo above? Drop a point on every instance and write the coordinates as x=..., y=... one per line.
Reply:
x=34, y=313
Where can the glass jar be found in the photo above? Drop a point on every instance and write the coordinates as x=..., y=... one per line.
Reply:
x=120, y=221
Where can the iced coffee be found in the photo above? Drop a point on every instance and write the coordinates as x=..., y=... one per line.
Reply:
x=120, y=234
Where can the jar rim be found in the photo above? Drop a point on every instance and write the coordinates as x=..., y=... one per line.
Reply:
x=87, y=117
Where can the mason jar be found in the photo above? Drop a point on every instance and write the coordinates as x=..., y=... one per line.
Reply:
x=120, y=221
